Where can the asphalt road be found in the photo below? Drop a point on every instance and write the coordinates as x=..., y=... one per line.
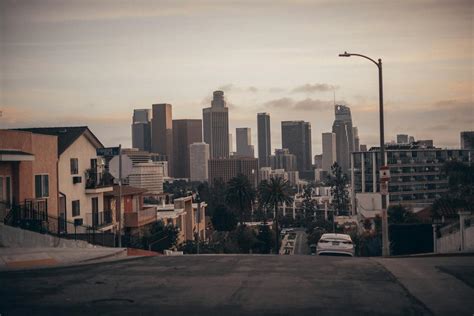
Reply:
x=301, y=246
x=222, y=285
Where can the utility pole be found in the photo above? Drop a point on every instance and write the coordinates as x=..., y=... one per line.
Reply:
x=120, y=198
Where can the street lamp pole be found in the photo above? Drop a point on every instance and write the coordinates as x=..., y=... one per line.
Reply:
x=385, y=240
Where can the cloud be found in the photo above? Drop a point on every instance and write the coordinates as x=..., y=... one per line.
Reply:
x=307, y=104
x=230, y=87
x=312, y=88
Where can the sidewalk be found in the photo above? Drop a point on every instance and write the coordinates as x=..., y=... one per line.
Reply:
x=32, y=258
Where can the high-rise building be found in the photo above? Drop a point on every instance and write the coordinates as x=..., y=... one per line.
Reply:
x=199, y=157
x=283, y=160
x=329, y=151
x=363, y=148
x=402, y=139
x=162, y=132
x=318, y=161
x=147, y=175
x=296, y=136
x=141, y=129
x=216, y=126
x=244, y=142
x=264, y=139
x=355, y=133
x=342, y=126
x=467, y=140
x=226, y=169
x=411, y=139
x=185, y=132
x=231, y=144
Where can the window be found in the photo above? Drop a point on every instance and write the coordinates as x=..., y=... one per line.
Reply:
x=95, y=205
x=74, y=166
x=93, y=164
x=41, y=185
x=76, y=208
x=8, y=190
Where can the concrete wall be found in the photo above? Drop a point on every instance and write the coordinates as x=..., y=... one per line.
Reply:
x=452, y=242
x=13, y=237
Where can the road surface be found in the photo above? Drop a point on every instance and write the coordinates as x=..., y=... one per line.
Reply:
x=239, y=285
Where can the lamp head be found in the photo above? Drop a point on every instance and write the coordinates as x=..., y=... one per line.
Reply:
x=344, y=55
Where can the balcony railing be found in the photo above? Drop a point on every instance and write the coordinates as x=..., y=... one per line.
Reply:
x=95, y=179
x=140, y=218
x=99, y=219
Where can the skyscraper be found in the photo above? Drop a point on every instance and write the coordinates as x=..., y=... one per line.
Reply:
x=283, y=160
x=216, y=126
x=244, y=142
x=264, y=139
x=185, y=132
x=467, y=140
x=162, y=132
x=329, y=151
x=296, y=136
x=402, y=139
x=342, y=127
x=355, y=133
x=199, y=157
x=141, y=129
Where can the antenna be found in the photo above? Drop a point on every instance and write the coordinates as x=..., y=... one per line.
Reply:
x=334, y=91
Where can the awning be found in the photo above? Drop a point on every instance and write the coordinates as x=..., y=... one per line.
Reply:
x=15, y=155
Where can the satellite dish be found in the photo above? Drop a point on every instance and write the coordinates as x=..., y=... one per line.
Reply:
x=127, y=166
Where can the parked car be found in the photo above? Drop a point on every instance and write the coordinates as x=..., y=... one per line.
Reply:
x=335, y=244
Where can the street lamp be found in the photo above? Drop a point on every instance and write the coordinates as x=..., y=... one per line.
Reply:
x=385, y=242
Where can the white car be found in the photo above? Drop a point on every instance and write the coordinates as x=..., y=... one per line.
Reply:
x=335, y=244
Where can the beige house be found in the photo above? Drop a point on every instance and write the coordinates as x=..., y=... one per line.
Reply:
x=80, y=176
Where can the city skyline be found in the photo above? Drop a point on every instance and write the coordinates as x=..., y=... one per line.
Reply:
x=73, y=60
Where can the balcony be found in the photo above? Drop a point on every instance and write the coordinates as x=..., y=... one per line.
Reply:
x=140, y=218
x=99, y=219
x=97, y=182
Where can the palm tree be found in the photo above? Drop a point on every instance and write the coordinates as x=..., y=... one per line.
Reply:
x=273, y=193
x=240, y=195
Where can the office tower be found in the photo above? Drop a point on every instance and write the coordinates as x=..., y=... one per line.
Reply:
x=318, y=161
x=329, y=151
x=264, y=139
x=467, y=140
x=342, y=126
x=411, y=139
x=282, y=159
x=141, y=129
x=363, y=148
x=162, y=132
x=296, y=136
x=216, y=126
x=355, y=133
x=147, y=175
x=228, y=168
x=402, y=139
x=185, y=132
x=231, y=144
x=199, y=157
x=244, y=142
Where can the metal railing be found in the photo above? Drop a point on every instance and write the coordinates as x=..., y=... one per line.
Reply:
x=99, y=219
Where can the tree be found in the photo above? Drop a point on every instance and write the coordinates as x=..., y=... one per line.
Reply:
x=273, y=193
x=160, y=237
x=240, y=195
x=223, y=219
x=398, y=214
x=265, y=238
x=340, y=196
x=309, y=206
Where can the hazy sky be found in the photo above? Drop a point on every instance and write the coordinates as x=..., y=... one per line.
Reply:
x=92, y=62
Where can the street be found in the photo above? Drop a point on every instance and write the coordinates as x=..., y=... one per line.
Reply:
x=241, y=285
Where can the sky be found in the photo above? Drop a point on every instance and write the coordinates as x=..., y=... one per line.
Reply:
x=65, y=63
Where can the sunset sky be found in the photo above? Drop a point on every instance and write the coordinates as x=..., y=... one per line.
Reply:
x=92, y=62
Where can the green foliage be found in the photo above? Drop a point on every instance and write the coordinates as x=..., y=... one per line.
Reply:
x=266, y=239
x=246, y=239
x=338, y=183
x=223, y=219
x=397, y=214
x=240, y=195
x=159, y=237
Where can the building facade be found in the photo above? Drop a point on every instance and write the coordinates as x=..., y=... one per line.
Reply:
x=147, y=176
x=264, y=139
x=329, y=151
x=185, y=133
x=162, y=132
x=216, y=126
x=244, y=142
x=467, y=140
x=296, y=136
x=282, y=159
x=199, y=157
x=141, y=129
x=226, y=169
x=416, y=173
x=342, y=127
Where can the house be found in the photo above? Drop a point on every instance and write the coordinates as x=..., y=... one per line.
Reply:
x=81, y=178
x=28, y=172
